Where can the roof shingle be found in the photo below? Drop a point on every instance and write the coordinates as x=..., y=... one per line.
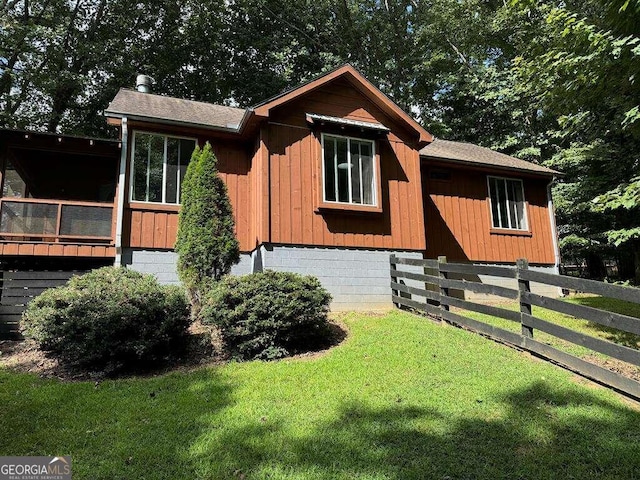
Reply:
x=174, y=110
x=476, y=155
x=161, y=109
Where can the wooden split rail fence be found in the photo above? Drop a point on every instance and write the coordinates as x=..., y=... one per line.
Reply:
x=436, y=292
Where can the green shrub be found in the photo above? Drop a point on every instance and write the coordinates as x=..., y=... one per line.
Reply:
x=206, y=243
x=109, y=319
x=268, y=315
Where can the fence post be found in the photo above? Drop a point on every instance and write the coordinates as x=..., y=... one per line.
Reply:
x=523, y=288
x=394, y=279
x=444, y=291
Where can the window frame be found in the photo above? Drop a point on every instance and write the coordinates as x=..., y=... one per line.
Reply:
x=164, y=167
x=375, y=190
x=525, y=218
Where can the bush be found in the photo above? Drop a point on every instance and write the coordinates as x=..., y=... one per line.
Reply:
x=109, y=319
x=268, y=315
x=206, y=244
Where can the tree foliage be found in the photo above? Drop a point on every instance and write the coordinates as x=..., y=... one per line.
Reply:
x=206, y=243
x=583, y=71
x=61, y=62
x=551, y=81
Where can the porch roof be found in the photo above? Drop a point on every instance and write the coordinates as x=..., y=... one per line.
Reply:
x=469, y=154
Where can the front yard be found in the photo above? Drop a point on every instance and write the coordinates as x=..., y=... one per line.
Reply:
x=401, y=398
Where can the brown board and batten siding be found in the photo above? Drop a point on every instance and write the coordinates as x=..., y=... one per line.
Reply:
x=259, y=190
x=154, y=225
x=295, y=178
x=339, y=99
x=458, y=218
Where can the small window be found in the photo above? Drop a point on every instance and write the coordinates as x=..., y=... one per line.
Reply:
x=348, y=170
x=507, y=203
x=158, y=167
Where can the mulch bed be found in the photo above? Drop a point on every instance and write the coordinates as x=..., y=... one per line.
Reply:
x=204, y=348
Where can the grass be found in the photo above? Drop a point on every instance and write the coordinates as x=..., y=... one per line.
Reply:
x=401, y=398
x=583, y=326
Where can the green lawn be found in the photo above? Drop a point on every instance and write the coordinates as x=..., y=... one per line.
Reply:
x=402, y=398
x=583, y=326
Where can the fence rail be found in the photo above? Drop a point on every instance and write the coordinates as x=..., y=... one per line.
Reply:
x=437, y=298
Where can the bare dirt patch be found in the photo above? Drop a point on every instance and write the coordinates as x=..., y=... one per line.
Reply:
x=24, y=356
x=616, y=366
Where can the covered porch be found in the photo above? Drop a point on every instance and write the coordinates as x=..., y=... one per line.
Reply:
x=58, y=195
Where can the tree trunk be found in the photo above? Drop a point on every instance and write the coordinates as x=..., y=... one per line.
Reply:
x=625, y=259
x=636, y=262
x=595, y=266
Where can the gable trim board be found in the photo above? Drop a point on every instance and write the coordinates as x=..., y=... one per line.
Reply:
x=271, y=159
x=358, y=81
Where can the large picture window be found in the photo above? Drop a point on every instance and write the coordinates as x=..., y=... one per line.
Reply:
x=158, y=167
x=348, y=170
x=507, y=203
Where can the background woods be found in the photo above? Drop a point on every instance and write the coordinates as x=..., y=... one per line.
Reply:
x=548, y=81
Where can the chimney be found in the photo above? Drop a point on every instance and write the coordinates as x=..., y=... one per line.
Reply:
x=143, y=83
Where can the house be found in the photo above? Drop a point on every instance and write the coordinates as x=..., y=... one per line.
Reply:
x=327, y=179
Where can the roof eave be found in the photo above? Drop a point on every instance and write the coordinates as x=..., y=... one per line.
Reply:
x=179, y=123
x=490, y=166
x=58, y=135
x=389, y=106
x=263, y=109
x=244, y=121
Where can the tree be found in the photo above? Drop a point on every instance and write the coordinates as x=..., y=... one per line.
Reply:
x=61, y=62
x=206, y=243
x=582, y=69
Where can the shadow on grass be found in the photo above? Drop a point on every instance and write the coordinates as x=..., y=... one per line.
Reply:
x=124, y=429
x=617, y=306
x=541, y=433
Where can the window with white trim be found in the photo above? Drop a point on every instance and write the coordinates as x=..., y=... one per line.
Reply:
x=348, y=170
x=159, y=163
x=507, y=203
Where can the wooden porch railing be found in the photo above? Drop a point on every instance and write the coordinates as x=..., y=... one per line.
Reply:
x=54, y=221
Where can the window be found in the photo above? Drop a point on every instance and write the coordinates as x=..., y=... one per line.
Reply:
x=348, y=170
x=507, y=203
x=159, y=165
x=14, y=184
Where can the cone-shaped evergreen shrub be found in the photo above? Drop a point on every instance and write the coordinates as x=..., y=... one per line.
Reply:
x=206, y=244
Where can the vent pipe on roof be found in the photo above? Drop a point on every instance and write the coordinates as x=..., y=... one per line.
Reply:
x=143, y=83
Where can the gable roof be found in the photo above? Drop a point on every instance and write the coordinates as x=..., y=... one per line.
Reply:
x=176, y=111
x=360, y=83
x=467, y=153
x=170, y=110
